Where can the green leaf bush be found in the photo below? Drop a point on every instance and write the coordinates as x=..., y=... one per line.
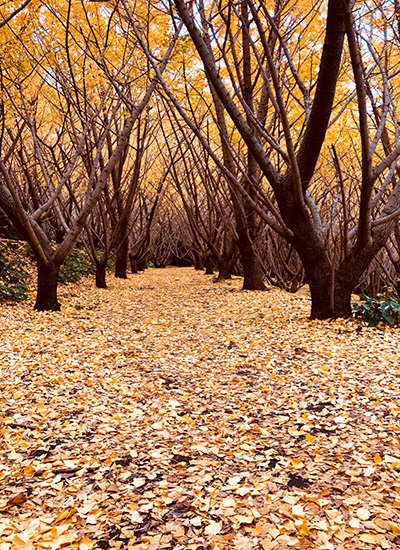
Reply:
x=76, y=266
x=374, y=311
x=14, y=271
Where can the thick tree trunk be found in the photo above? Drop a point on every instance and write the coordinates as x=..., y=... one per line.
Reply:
x=46, y=298
x=224, y=271
x=121, y=261
x=342, y=303
x=253, y=275
x=101, y=275
x=225, y=267
x=330, y=303
x=321, y=301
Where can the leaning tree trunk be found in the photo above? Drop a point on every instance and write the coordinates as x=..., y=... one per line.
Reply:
x=101, y=275
x=121, y=261
x=47, y=282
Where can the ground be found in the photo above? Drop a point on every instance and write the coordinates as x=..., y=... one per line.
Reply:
x=171, y=412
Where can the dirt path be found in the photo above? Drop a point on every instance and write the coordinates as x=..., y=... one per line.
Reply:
x=172, y=412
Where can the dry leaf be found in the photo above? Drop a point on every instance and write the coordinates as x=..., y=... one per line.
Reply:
x=17, y=500
x=213, y=528
x=86, y=544
x=363, y=513
x=369, y=538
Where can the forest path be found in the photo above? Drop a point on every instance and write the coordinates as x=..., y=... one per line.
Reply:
x=172, y=412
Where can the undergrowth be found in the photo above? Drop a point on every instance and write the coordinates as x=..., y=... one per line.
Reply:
x=374, y=311
x=76, y=266
x=14, y=271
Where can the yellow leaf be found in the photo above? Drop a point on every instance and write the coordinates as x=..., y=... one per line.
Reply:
x=244, y=519
x=86, y=544
x=395, y=529
x=268, y=544
x=371, y=539
x=304, y=529
x=29, y=470
x=65, y=514
x=20, y=539
x=297, y=463
x=310, y=438
x=377, y=458
x=57, y=531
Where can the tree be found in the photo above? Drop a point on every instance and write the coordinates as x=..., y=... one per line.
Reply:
x=287, y=143
x=14, y=12
x=64, y=118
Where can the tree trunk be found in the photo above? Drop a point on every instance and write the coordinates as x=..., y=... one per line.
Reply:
x=142, y=264
x=224, y=272
x=328, y=303
x=101, y=275
x=134, y=267
x=46, y=298
x=209, y=265
x=253, y=275
x=121, y=261
x=198, y=261
x=224, y=268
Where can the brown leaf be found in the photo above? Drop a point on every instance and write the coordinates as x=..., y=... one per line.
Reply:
x=17, y=500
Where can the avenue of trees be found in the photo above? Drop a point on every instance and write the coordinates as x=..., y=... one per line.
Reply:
x=258, y=138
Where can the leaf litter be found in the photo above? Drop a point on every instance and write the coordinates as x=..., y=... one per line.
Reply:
x=169, y=412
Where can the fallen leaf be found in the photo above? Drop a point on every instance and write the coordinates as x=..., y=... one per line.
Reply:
x=213, y=528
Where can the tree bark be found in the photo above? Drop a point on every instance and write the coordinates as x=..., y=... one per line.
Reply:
x=47, y=282
x=209, y=265
x=101, y=275
x=142, y=264
x=253, y=275
x=224, y=271
x=198, y=263
x=133, y=264
x=121, y=261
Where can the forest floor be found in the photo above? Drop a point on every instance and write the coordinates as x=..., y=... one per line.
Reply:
x=171, y=412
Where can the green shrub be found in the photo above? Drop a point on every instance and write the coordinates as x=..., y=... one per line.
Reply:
x=14, y=271
x=76, y=266
x=374, y=311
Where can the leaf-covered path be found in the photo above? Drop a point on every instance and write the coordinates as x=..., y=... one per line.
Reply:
x=169, y=412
